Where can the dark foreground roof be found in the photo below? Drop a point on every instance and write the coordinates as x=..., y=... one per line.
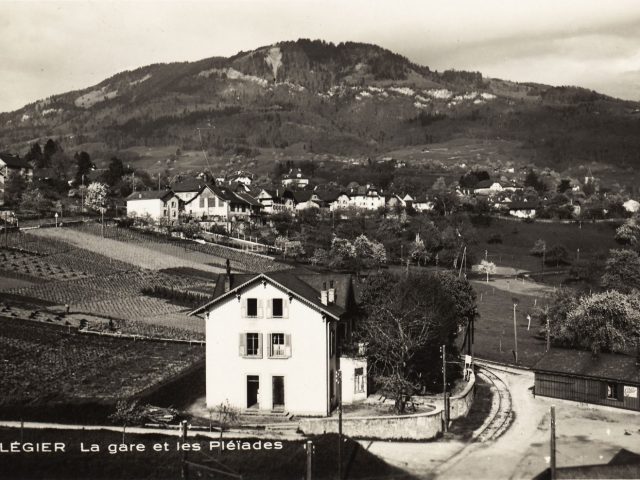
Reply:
x=624, y=464
x=580, y=363
x=303, y=285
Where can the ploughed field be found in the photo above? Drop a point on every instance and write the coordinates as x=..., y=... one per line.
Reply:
x=102, y=282
x=41, y=364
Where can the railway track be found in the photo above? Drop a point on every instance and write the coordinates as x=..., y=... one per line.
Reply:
x=501, y=415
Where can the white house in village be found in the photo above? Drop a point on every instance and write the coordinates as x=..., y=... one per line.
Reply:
x=273, y=340
x=221, y=204
x=295, y=179
x=365, y=198
x=274, y=202
x=12, y=165
x=156, y=204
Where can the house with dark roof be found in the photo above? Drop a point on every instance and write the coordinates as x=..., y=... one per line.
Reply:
x=275, y=201
x=273, y=342
x=156, y=204
x=606, y=379
x=221, y=204
x=295, y=179
x=12, y=165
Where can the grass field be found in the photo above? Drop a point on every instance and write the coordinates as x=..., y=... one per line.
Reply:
x=41, y=364
x=285, y=463
x=518, y=238
x=494, y=337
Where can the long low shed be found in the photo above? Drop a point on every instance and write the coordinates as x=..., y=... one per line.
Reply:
x=605, y=379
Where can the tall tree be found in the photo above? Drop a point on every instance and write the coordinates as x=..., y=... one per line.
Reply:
x=405, y=320
x=83, y=165
x=114, y=172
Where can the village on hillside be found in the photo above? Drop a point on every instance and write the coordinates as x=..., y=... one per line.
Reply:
x=286, y=308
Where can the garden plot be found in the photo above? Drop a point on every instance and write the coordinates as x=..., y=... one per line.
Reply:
x=82, y=367
x=36, y=266
x=138, y=255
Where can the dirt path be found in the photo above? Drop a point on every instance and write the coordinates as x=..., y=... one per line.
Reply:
x=133, y=254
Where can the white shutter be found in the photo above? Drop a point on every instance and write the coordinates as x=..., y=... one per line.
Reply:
x=243, y=343
x=269, y=345
x=244, y=308
x=269, y=308
x=259, y=308
x=287, y=345
x=285, y=308
x=259, y=346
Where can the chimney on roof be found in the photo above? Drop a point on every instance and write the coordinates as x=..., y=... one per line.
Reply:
x=331, y=293
x=324, y=297
x=227, y=278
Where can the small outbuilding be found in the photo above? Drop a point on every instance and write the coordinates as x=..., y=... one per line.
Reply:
x=606, y=379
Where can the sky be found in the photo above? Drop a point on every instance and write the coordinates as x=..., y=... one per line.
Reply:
x=51, y=47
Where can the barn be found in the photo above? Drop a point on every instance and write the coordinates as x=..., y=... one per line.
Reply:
x=606, y=379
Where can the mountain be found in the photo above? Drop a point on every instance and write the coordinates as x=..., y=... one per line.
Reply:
x=350, y=98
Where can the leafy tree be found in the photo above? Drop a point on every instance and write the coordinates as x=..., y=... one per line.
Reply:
x=539, y=248
x=15, y=184
x=622, y=271
x=562, y=302
x=629, y=233
x=418, y=251
x=62, y=166
x=603, y=322
x=34, y=199
x=83, y=165
x=320, y=257
x=533, y=180
x=293, y=248
x=226, y=414
x=35, y=156
x=488, y=268
x=406, y=318
x=114, y=172
x=557, y=254
x=127, y=413
x=369, y=252
x=342, y=252
x=564, y=185
x=50, y=149
x=96, y=195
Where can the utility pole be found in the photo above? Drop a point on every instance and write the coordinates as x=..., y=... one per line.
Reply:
x=544, y=255
x=339, y=388
x=548, y=335
x=553, y=443
x=443, y=349
x=309, y=448
x=185, y=467
x=515, y=330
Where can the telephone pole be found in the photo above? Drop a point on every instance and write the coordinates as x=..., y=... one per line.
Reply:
x=443, y=349
x=515, y=331
x=553, y=443
x=339, y=388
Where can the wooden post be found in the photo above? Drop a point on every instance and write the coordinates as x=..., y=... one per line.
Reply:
x=548, y=335
x=515, y=332
x=309, y=448
x=444, y=387
x=185, y=467
x=553, y=443
x=339, y=388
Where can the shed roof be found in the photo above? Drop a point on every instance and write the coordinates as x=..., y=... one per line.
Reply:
x=607, y=366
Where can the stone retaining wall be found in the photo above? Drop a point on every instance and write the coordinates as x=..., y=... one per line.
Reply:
x=459, y=405
x=418, y=426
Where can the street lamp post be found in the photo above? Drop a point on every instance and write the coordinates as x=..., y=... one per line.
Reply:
x=515, y=330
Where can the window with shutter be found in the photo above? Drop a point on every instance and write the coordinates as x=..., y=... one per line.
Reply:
x=243, y=345
x=259, y=345
x=254, y=344
x=259, y=309
x=287, y=345
x=277, y=309
x=285, y=308
x=243, y=308
x=277, y=345
x=252, y=307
